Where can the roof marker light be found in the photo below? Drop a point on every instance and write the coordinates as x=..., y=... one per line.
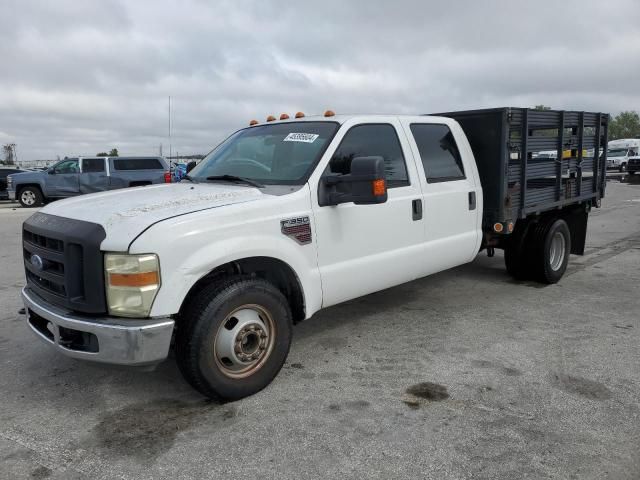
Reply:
x=253, y=122
x=329, y=113
x=299, y=115
x=284, y=116
x=271, y=118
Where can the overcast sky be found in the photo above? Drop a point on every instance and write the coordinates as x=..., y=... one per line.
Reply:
x=79, y=77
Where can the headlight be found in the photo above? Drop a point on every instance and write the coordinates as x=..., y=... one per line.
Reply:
x=132, y=283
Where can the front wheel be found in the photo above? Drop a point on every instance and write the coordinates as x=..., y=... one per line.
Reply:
x=30, y=197
x=233, y=339
x=623, y=167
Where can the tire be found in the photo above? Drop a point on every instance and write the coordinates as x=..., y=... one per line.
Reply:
x=552, y=250
x=30, y=197
x=221, y=314
x=623, y=167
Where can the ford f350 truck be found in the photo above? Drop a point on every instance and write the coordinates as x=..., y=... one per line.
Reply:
x=288, y=217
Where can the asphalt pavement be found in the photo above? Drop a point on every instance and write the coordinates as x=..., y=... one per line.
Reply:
x=466, y=374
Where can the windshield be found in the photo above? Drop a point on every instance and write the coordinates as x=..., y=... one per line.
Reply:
x=618, y=152
x=281, y=153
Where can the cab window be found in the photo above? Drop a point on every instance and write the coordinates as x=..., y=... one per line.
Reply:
x=439, y=153
x=368, y=140
x=67, y=166
x=93, y=165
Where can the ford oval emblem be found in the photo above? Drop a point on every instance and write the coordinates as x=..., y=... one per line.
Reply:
x=37, y=262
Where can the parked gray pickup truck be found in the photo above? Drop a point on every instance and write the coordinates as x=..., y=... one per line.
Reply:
x=75, y=176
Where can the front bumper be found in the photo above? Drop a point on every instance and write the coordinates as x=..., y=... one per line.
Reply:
x=11, y=194
x=136, y=342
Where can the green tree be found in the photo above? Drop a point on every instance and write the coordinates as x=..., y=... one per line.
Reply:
x=624, y=125
x=112, y=153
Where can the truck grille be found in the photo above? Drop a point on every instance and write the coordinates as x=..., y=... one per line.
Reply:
x=63, y=262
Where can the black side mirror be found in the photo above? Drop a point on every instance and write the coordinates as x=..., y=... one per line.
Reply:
x=191, y=165
x=365, y=185
x=51, y=171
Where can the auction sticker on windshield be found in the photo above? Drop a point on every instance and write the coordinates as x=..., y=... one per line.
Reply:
x=301, y=137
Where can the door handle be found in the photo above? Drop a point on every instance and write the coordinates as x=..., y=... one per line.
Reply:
x=416, y=209
x=472, y=200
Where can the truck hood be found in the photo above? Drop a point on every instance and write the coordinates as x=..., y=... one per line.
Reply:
x=25, y=177
x=125, y=213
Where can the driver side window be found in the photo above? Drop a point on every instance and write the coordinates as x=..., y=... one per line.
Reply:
x=372, y=140
x=68, y=166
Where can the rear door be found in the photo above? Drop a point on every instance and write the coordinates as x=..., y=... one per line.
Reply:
x=63, y=179
x=366, y=248
x=93, y=175
x=451, y=193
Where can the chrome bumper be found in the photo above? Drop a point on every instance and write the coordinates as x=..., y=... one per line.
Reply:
x=12, y=194
x=112, y=340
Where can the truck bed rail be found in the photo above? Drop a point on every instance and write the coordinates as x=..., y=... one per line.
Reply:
x=531, y=161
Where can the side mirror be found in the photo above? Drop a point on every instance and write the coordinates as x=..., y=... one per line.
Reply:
x=51, y=171
x=190, y=166
x=365, y=185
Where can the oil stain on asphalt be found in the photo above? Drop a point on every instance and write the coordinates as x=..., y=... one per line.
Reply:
x=149, y=429
x=425, y=391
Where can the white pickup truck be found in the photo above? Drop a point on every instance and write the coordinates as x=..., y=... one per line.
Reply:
x=288, y=217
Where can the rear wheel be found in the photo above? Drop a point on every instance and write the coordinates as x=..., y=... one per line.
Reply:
x=234, y=338
x=30, y=197
x=553, y=247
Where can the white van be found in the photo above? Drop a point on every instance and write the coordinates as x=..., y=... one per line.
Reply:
x=619, y=151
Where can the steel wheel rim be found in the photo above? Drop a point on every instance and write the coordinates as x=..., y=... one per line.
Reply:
x=557, y=251
x=244, y=341
x=28, y=197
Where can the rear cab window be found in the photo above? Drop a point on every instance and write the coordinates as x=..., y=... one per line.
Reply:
x=439, y=152
x=93, y=165
x=137, y=164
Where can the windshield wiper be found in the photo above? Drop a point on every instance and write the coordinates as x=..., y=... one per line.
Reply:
x=236, y=179
x=187, y=177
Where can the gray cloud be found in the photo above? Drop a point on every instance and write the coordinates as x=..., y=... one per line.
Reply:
x=81, y=77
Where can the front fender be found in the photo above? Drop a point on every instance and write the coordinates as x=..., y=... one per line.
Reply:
x=180, y=275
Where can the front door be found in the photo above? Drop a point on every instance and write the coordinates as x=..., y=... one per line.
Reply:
x=365, y=248
x=62, y=180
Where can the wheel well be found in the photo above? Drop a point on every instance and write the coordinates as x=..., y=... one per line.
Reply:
x=271, y=269
x=25, y=185
x=575, y=216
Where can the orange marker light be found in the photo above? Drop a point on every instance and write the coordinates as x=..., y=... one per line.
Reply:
x=329, y=113
x=299, y=115
x=253, y=122
x=133, y=279
x=271, y=118
x=498, y=227
x=379, y=187
x=284, y=116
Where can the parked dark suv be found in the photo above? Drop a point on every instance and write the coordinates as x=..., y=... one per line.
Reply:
x=4, y=172
x=75, y=176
